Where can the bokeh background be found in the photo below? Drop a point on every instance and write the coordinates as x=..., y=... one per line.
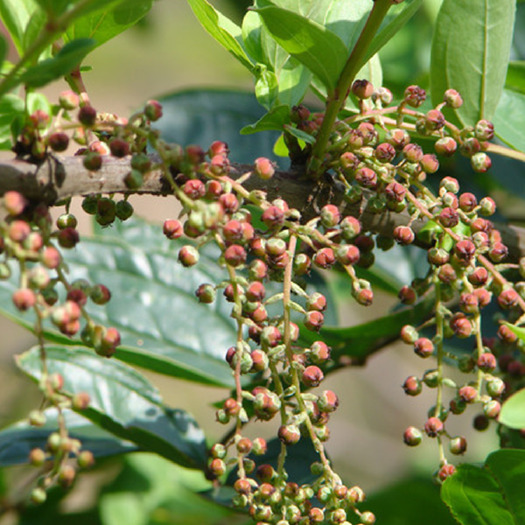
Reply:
x=170, y=51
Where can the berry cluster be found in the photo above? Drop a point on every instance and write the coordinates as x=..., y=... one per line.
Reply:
x=268, y=249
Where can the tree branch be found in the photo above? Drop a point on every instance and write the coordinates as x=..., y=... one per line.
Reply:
x=59, y=178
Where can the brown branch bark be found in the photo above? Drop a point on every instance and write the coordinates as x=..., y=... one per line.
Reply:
x=60, y=178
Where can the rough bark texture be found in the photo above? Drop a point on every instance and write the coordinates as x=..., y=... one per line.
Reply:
x=59, y=178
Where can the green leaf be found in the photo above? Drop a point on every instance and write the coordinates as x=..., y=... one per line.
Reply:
x=140, y=266
x=221, y=29
x=266, y=86
x=508, y=120
x=470, y=52
x=17, y=440
x=55, y=8
x=11, y=109
x=275, y=119
x=513, y=411
x=362, y=340
x=101, y=26
x=515, y=80
x=490, y=495
x=15, y=15
x=60, y=65
x=320, y=50
x=122, y=401
x=3, y=49
x=33, y=29
x=397, y=17
x=392, y=507
x=151, y=490
x=202, y=116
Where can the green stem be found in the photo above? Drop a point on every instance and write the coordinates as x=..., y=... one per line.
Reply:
x=336, y=99
x=52, y=30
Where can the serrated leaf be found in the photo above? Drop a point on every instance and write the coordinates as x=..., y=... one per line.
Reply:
x=470, y=52
x=491, y=495
x=508, y=120
x=203, y=116
x=320, y=50
x=513, y=411
x=222, y=29
x=122, y=401
x=60, y=65
x=15, y=15
x=101, y=26
x=17, y=440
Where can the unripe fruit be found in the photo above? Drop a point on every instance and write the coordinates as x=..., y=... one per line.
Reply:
x=415, y=96
x=313, y=320
x=362, y=89
x=366, y=177
x=18, y=231
x=487, y=362
x=452, y=98
x=495, y=387
x=273, y=217
x=446, y=146
x=328, y=401
x=409, y=334
x=316, y=301
x=404, y=235
x=457, y=445
x=492, y=408
x=37, y=457
x=68, y=100
x=508, y=298
x=259, y=446
x=312, y=376
x=433, y=426
x=412, y=386
x=461, y=326
x=134, y=179
x=364, y=297
x=87, y=116
x=484, y=130
x=434, y=120
x=324, y=258
x=24, y=298
x=235, y=255
x=153, y=110
x=14, y=202
x=206, y=293
x=123, y=210
x=81, y=401
x=413, y=153
x=119, y=148
x=468, y=394
x=38, y=496
x=85, y=459
x=330, y=216
x=385, y=152
x=264, y=168
x=498, y=252
x=319, y=352
x=480, y=162
x=289, y=434
x=172, y=229
x=367, y=518
x=58, y=141
x=423, y=347
x=429, y=163
x=465, y=250
x=446, y=471
x=412, y=436
x=188, y=256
